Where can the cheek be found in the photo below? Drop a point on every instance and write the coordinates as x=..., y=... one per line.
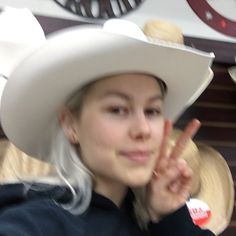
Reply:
x=98, y=145
x=157, y=136
x=106, y=132
x=158, y=130
x=99, y=136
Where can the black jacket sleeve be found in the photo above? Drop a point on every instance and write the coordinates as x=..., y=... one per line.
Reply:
x=178, y=223
x=38, y=219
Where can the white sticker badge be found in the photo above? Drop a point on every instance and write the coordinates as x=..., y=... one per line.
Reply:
x=199, y=211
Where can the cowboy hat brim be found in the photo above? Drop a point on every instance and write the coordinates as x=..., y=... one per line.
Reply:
x=68, y=60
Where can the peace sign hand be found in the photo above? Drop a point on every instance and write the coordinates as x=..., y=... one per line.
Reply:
x=171, y=183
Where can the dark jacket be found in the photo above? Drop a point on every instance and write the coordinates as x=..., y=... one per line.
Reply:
x=34, y=213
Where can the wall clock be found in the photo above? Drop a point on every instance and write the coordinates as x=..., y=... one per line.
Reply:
x=218, y=14
x=99, y=9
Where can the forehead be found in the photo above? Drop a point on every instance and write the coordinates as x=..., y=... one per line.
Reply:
x=129, y=86
x=132, y=83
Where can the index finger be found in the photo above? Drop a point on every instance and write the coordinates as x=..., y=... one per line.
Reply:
x=164, y=145
x=190, y=130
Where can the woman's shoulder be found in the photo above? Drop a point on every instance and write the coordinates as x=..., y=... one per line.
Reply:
x=24, y=192
x=35, y=212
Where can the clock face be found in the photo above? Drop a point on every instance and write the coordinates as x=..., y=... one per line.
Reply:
x=99, y=9
x=218, y=14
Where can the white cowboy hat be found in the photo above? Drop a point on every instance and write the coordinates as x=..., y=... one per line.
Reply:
x=71, y=58
x=20, y=33
x=212, y=196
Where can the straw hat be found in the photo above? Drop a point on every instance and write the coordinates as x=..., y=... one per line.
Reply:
x=163, y=30
x=20, y=34
x=212, y=185
x=16, y=165
x=232, y=73
x=74, y=57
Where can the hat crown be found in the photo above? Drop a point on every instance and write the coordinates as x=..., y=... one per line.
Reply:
x=124, y=27
x=19, y=26
x=20, y=33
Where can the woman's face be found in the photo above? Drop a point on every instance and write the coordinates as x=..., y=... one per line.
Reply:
x=120, y=128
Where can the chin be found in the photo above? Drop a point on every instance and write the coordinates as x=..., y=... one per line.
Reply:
x=140, y=181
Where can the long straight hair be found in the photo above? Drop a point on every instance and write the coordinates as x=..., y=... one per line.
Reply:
x=72, y=172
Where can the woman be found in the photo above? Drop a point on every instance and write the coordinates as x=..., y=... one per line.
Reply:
x=92, y=101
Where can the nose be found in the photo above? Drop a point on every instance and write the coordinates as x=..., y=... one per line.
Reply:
x=140, y=127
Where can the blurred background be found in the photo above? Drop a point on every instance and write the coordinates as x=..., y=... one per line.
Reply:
x=209, y=25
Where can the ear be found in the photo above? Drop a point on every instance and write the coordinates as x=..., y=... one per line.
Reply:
x=69, y=125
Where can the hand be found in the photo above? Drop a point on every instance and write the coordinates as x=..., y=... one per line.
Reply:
x=171, y=183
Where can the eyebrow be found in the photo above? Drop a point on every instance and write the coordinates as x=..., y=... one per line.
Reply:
x=127, y=97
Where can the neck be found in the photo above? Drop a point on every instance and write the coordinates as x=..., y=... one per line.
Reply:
x=111, y=190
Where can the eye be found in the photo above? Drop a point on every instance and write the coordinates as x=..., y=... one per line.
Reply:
x=118, y=110
x=152, y=112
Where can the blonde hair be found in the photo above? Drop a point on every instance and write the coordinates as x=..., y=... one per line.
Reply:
x=71, y=171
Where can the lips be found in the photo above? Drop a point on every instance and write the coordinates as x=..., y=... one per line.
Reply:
x=137, y=156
